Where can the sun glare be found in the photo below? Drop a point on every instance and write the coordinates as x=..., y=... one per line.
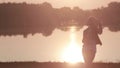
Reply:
x=72, y=53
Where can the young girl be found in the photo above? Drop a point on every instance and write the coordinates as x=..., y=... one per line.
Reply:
x=91, y=39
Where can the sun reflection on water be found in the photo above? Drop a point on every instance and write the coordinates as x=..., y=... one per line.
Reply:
x=72, y=52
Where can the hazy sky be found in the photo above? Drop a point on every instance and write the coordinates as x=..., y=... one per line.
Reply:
x=84, y=4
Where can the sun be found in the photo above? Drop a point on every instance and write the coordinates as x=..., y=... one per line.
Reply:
x=72, y=53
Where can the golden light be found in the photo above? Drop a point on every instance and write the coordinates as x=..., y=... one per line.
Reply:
x=72, y=52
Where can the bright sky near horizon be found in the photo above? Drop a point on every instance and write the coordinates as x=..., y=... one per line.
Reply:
x=84, y=4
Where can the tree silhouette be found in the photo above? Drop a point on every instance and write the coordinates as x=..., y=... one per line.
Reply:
x=23, y=18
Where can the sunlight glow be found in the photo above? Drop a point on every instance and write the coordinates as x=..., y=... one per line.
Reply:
x=72, y=53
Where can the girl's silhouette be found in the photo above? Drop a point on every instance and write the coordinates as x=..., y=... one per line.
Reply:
x=91, y=39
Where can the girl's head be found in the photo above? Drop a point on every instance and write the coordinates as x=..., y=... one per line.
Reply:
x=92, y=22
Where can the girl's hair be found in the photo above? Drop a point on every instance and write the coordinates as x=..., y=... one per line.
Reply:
x=94, y=22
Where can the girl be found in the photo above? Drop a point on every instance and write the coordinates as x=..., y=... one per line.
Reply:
x=91, y=39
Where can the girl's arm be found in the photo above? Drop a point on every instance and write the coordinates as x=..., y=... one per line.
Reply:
x=100, y=28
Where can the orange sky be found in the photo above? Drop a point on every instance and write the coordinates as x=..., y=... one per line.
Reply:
x=84, y=4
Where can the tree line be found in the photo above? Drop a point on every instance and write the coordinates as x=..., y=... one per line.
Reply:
x=24, y=19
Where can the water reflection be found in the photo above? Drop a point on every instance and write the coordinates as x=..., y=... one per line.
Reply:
x=44, y=49
x=72, y=52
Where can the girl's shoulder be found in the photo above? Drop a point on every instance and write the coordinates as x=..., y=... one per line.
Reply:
x=87, y=30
